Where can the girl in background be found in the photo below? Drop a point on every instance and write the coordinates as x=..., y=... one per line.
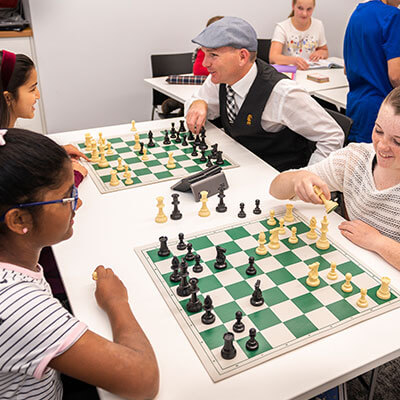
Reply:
x=300, y=38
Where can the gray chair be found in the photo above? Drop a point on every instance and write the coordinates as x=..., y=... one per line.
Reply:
x=344, y=122
x=168, y=64
x=263, y=49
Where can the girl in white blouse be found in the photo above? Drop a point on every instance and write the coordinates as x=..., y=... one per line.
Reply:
x=368, y=174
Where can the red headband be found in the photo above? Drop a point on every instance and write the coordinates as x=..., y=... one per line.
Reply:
x=7, y=67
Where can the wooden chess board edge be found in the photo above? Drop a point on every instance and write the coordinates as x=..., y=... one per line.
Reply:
x=210, y=363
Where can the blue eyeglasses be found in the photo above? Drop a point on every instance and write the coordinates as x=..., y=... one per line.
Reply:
x=73, y=200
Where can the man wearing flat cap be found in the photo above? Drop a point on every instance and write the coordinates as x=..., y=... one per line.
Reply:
x=259, y=107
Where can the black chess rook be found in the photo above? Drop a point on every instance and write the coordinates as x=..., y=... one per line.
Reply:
x=164, y=250
x=228, y=351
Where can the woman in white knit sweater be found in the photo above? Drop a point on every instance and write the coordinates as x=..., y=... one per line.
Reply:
x=369, y=177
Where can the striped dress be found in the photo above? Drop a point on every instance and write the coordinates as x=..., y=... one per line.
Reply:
x=34, y=328
x=349, y=170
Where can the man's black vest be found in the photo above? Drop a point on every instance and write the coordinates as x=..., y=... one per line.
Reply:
x=284, y=149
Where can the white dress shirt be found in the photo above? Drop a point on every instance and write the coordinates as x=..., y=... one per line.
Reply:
x=288, y=105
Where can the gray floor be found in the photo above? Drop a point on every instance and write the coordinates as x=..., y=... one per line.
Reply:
x=388, y=384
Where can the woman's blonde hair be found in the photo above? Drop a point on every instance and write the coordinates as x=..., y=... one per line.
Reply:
x=293, y=4
x=393, y=99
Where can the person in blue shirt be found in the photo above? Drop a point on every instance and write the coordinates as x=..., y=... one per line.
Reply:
x=372, y=61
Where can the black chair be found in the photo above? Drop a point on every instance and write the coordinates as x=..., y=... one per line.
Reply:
x=263, y=49
x=344, y=122
x=168, y=64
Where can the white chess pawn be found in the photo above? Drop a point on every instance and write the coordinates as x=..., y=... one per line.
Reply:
x=109, y=149
x=282, y=229
x=103, y=163
x=128, y=180
x=114, y=178
x=204, y=211
x=145, y=157
x=347, y=287
x=362, y=301
x=311, y=234
x=293, y=239
x=120, y=167
x=271, y=220
x=261, y=250
x=332, y=274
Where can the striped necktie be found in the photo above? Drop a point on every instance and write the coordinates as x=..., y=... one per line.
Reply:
x=230, y=104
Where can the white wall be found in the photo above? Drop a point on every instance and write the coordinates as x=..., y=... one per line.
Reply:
x=94, y=54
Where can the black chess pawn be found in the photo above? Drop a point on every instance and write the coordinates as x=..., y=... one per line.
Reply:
x=219, y=160
x=190, y=137
x=256, y=298
x=189, y=255
x=241, y=214
x=183, y=288
x=175, y=277
x=182, y=125
x=184, y=141
x=203, y=156
x=194, y=152
x=221, y=207
x=164, y=250
x=166, y=138
x=194, y=304
x=173, y=130
x=252, y=343
x=214, y=150
x=257, y=209
x=150, y=136
x=197, y=140
x=178, y=138
x=209, y=162
x=208, y=317
x=228, y=351
x=197, y=267
x=181, y=244
x=238, y=326
x=251, y=269
x=141, y=152
x=176, y=214
x=220, y=261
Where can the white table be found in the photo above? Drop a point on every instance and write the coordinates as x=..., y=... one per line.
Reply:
x=107, y=229
x=182, y=93
x=178, y=92
x=337, y=79
x=338, y=96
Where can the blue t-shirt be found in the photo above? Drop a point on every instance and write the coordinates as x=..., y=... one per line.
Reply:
x=372, y=38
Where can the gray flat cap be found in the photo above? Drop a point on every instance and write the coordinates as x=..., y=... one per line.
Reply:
x=228, y=31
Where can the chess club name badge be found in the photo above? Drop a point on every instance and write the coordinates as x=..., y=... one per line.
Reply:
x=249, y=119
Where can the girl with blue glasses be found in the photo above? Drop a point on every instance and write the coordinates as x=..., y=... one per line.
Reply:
x=38, y=202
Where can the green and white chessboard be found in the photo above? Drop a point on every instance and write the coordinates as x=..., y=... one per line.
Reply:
x=152, y=171
x=293, y=314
